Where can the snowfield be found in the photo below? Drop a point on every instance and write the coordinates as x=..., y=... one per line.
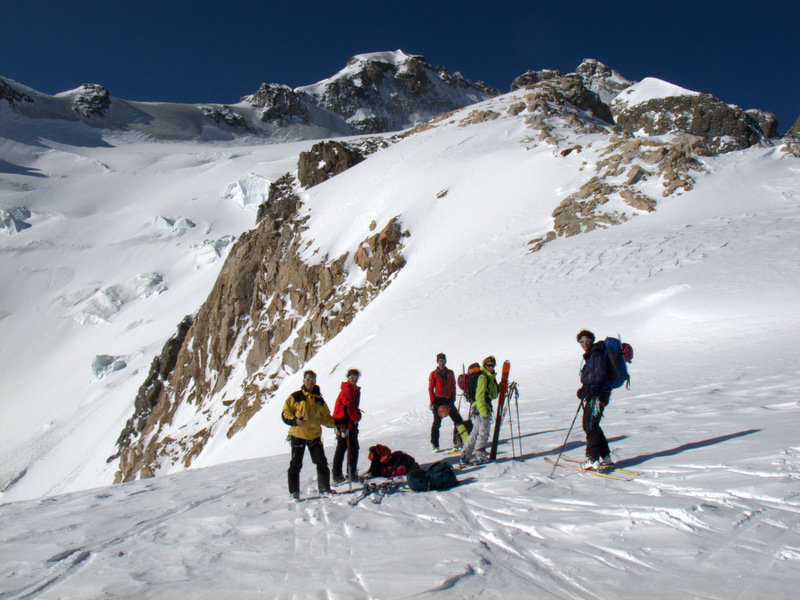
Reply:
x=705, y=289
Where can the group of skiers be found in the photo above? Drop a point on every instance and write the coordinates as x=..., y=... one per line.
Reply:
x=305, y=411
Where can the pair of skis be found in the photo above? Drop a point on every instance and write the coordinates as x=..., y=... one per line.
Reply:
x=608, y=473
x=377, y=491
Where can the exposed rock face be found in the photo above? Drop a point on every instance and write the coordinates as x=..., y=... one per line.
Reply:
x=725, y=128
x=374, y=93
x=325, y=160
x=11, y=95
x=224, y=114
x=268, y=313
x=791, y=141
x=554, y=101
x=794, y=130
x=160, y=375
x=626, y=163
x=602, y=80
x=391, y=91
x=767, y=121
x=596, y=77
x=280, y=104
x=92, y=100
x=531, y=78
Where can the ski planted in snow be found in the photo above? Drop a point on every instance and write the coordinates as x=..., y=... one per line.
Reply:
x=365, y=491
x=501, y=400
x=606, y=474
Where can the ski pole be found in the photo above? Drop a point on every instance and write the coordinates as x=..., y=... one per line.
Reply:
x=519, y=431
x=511, y=427
x=349, y=470
x=566, y=438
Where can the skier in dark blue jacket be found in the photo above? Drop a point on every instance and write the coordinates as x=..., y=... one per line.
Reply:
x=595, y=393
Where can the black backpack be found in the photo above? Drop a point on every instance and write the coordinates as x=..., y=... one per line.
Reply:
x=439, y=476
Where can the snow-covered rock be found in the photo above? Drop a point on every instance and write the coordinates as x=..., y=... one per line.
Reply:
x=658, y=108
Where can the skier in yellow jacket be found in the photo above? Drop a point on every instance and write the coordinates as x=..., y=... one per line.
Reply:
x=305, y=411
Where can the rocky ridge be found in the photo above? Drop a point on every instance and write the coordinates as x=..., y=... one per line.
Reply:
x=276, y=311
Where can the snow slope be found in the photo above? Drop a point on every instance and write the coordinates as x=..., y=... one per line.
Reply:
x=705, y=289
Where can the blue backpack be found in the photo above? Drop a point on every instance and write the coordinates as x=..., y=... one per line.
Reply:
x=439, y=476
x=618, y=355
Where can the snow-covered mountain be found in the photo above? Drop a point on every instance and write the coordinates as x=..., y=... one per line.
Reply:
x=500, y=228
x=374, y=93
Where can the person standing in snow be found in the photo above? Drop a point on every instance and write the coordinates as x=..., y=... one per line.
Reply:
x=442, y=392
x=486, y=390
x=346, y=415
x=595, y=393
x=305, y=411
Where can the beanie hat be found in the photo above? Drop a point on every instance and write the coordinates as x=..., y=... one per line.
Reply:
x=440, y=356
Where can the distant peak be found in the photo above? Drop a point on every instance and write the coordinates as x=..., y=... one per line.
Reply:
x=397, y=57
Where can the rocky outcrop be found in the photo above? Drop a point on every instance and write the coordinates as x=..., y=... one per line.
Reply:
x=374, y=93
x=559, y=101
x=794, y=130
x=280, y=104
x=391, y=91
x=791, y=141
x=269, y=312
x=725, y=128
x=767, y=121
x=594, y=75
x=91, y=100
x=324, y=160
x=160, y=375
x=224, y=115
x=602, y=80
x=625, y=164
x=531, y=78
x=12, y=96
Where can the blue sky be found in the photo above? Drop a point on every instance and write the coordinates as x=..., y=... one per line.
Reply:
x=201, y=51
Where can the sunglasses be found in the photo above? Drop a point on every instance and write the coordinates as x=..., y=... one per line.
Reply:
x=310, y=379
x=585, y=341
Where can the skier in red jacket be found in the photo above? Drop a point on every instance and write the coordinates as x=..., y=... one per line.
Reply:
x=442, y=392
x=346, y=415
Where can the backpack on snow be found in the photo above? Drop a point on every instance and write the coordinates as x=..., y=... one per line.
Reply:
x=618, y=354
x=469, y=381
x=439, y=476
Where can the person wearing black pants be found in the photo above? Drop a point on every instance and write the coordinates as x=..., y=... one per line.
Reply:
x=305, y=411
x=346, y=415
x=442, y=394
x=596, y=394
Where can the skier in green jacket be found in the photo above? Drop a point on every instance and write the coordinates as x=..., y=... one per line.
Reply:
x=486, y=390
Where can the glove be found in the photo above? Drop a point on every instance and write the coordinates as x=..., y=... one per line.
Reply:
x=341, y=432
x=582, y=393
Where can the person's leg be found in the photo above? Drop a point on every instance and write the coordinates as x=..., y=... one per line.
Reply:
x=352, y=455
x=323, y=472
x=437, y=423
x=298, y=447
